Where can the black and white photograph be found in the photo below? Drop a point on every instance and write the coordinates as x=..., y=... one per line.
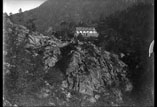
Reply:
x=78, y=53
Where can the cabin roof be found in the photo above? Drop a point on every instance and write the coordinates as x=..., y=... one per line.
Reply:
x=85, y=29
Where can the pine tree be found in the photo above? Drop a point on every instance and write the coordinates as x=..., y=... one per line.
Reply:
x=20, y=10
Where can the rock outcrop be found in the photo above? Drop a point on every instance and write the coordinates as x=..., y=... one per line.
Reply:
x=85, y=69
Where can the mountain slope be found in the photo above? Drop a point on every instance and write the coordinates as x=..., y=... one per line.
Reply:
x=53, y=12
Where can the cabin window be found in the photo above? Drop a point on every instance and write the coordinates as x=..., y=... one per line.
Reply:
x=84, y=31
x=90, y=32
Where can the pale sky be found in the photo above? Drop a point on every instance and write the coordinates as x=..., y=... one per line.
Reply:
x=14, y=5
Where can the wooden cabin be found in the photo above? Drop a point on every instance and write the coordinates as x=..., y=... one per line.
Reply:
x=86, y=32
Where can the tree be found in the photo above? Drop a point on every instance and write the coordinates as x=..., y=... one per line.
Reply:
x=30, y=24
x=10, y=14
x=20, y=10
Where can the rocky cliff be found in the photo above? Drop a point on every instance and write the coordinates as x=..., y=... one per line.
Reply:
x=43, y=71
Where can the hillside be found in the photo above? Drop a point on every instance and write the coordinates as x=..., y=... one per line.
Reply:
x=54, y=12
x=44, y=71
x=130, y=32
